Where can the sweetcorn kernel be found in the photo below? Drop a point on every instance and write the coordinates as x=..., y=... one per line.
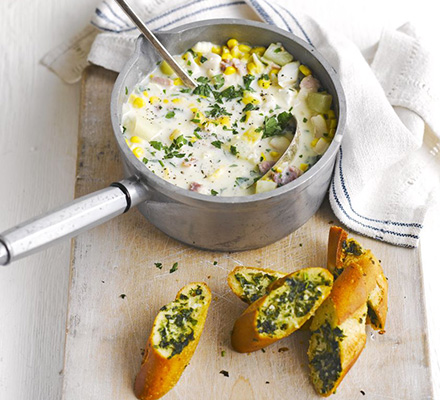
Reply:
x=166, y=101
x=230, y=70
x=135, y=139
x=176, y=100
x=304, y=167
x=138, y=152
x=145, y=93
x=154, y=100
x=252, y=136
x=274, y=154
x=227, y=56
x=178, y=82
x=262, y=157
x=264, y=83
x=305, y=70
x=225, y=120
x=216, y=50
x=235, y=52
x=248, y=98
x=258, y=50
x=166, y=69
x=232, y=42
x=314, y=141
x=244, y=48
x=138, y=102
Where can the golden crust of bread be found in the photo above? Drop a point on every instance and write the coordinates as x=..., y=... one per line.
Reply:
x=250, y=284
x=274, y=316
x=339, y=257
x=338, y=330
x=336, y=237
x=159, y=373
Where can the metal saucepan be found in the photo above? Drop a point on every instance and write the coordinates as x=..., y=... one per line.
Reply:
x=208, y=222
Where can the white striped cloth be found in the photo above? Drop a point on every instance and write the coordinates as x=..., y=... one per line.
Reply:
x=384, y=179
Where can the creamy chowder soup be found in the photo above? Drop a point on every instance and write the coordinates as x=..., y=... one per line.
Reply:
x=221, y=137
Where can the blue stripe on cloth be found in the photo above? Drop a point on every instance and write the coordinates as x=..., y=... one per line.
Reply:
x=347, y=196
x=299, y=26
x=235, y=3
x=279, y=14
x=409, y=235
x=115, y=15
x=166, y=14
x=103, y=16
x=260, y=10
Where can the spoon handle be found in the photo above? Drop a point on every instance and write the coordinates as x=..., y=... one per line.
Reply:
x=181, y=73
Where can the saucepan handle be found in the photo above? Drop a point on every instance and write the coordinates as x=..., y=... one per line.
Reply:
x=71, y=219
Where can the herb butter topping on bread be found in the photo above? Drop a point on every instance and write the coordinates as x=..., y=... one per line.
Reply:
x=291, y=301
x=174, y=337
x=250, y=284
x=338, y=328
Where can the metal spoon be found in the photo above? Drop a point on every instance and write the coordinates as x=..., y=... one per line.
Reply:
x=287, y=157
x=180, y=72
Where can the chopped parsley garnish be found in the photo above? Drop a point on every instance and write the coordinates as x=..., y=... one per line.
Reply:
x=217, y=143
x=126, y=90
x=156, y=145
x=174, y=267
x=241, y=180
x=275, y=125
x=186, y=90
x=170, y=114
x=233, y=150
x=203, y=89
x=158, y=265
x=213, y=192
x=277, y=50
x=232, y=93
x=196, y=134
x=145, y=160
x=305, y=119
x=247, y=80
x=202, y=79
x=203, y=59
x=250, y=107
x=218, y=81
x=217, y=111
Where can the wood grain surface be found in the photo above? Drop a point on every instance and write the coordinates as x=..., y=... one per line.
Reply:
x=116, y=291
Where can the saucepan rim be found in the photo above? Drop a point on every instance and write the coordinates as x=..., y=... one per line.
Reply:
x=153, y=181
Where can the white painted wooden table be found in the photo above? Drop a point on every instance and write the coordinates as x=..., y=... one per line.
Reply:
x=38, y=137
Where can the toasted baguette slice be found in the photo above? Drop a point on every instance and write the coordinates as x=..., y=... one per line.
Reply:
x=250, y=284
x=342, y=251
x=291, y=302
x=174, y=337
x=338, y=328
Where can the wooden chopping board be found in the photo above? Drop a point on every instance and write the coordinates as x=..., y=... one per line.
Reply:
x=116, y=291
